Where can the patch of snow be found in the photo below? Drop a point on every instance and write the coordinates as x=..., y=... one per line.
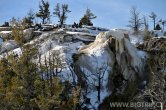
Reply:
x=61, y=30
x=66, y=51
x=142, y=54
x=71, y=48
x=86, y=29
x=96, y=58
x=8, y=45
x=16, y=51
x=136, y=39
x=41, y=37
x=5, y=32
x=90, y=38
x=79, y=33
x=92, y=80
x=47, y=45
x=122, y=30
x=66, y=74
x=158, y=33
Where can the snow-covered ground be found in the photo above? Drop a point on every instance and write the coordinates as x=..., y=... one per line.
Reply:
x=136, y=39
x=85, y=29
x=139, y=38
x=158, y=33
x=66, y=51
x=8, y=46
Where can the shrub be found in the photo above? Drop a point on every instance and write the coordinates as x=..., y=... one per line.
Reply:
x=147, y=35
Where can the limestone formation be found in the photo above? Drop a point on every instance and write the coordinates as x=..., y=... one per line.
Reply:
x=114, y=50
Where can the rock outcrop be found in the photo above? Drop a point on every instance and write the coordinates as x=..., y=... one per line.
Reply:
x=8, y=46
x=112, y=56
x=6, y=34
x=5, y=28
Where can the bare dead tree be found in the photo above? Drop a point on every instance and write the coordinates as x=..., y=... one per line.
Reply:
x=70, y=66
x=61, y=12
x=96, y=82
x=100, y=75
x=44, y=12
x=57, y=62
x=163, y=24
x=153, y=16
x=40, y=66
x=145, y=22
x=135, y=21
x=46, y=68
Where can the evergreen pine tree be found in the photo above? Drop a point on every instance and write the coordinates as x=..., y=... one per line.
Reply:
x=86, y=19
x=31, y=17
x=22, y=87
x=6, y=75
x=89, y=14
x=18, y=35
x=158, y=27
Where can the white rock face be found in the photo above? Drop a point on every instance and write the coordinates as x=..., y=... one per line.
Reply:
x=100, y=51
x=28, y=34
x=8, y=45
x=110, y=52
x=6, y=34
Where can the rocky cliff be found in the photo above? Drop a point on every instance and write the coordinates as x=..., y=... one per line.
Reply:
x=110, y=64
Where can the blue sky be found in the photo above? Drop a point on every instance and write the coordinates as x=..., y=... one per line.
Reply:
x=110, y=13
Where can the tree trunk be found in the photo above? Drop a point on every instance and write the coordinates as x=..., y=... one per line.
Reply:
x=61, y=23
x=163, y=27
x=154, y=24
x=51, y=84
x=43, y=20
x=98, y=88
